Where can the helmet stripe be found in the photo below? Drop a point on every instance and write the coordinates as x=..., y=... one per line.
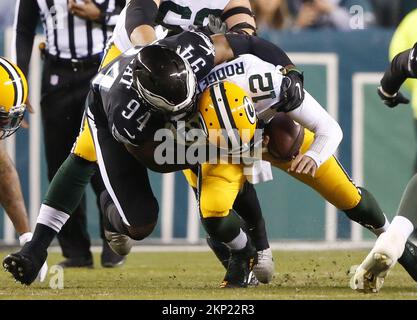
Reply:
x=216, y=107
x=227, y=106
x=20, y=83
x=223, y=114
x=17, y=83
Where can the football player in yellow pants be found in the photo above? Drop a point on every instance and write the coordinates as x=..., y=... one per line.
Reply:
x=330, y=181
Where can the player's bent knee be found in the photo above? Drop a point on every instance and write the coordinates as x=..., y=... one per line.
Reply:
x=217, y=196
x=142, y=232
x=215, y=206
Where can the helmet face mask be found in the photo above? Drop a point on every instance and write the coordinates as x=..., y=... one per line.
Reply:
x=165, y=81
x=10, y=121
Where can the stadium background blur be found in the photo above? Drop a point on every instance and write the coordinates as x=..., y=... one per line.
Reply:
x=342, y=63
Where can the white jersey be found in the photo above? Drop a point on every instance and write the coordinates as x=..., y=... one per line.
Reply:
x=172, y=14
x=260, y=79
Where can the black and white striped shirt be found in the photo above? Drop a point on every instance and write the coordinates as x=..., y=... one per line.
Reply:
x=67, y=36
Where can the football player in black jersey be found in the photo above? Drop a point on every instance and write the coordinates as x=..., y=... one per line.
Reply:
x=110, y=113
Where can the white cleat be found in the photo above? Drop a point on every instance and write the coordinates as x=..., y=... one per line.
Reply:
x=370, y=275
x=265, y=268
x=119, y=243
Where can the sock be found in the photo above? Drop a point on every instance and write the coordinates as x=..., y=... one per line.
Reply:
x=248, y=207
x=239, y=242
x=52, y=218
x=401, y=226
x=367, y=212
x=69, y=183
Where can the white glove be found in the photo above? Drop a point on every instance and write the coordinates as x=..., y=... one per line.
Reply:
x=259, y=171
x=26, y=237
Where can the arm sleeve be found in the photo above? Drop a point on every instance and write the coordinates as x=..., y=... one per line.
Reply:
x=265, y=50
x=403, y=66
x=327, y=132
x=140, y=12
x=26, y=19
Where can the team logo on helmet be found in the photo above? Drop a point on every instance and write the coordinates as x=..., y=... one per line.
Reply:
x=249, y=109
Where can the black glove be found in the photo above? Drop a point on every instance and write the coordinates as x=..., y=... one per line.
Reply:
x=394, y=101
x=292, y=91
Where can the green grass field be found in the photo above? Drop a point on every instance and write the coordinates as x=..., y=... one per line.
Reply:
x=197, y=275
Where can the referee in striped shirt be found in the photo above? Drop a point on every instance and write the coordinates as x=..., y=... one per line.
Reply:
x=76, y=33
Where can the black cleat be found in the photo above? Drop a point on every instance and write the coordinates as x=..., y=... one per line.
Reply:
x=110, y=259
x=241, y=263
x=78, y=262
x=409, y=259
x=23, y=268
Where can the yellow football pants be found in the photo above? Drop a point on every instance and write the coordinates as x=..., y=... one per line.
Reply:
x=220, y=184
x=84, y=145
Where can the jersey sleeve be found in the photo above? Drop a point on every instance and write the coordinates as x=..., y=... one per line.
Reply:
x=129, y=120
x=196, y=48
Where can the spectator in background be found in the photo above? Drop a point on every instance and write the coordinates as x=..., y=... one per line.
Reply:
x=334, y=14
x=404, y=38
x=271, y=14
x=387, y=12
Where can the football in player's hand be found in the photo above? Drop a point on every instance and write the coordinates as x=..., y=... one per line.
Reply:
x=285, y=137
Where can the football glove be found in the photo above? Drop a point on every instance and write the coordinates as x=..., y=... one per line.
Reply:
x=292, y=90
x=215, y=25
x=394, y=100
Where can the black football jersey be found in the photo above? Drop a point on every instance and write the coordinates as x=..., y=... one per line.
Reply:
x=116, y=101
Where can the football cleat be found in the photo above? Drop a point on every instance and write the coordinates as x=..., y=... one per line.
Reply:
x=370, y=275
x=252, y=280
x=109, y=259
x=25, y=269
x=265, y=268
x=241, y=263
x=119, y=243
